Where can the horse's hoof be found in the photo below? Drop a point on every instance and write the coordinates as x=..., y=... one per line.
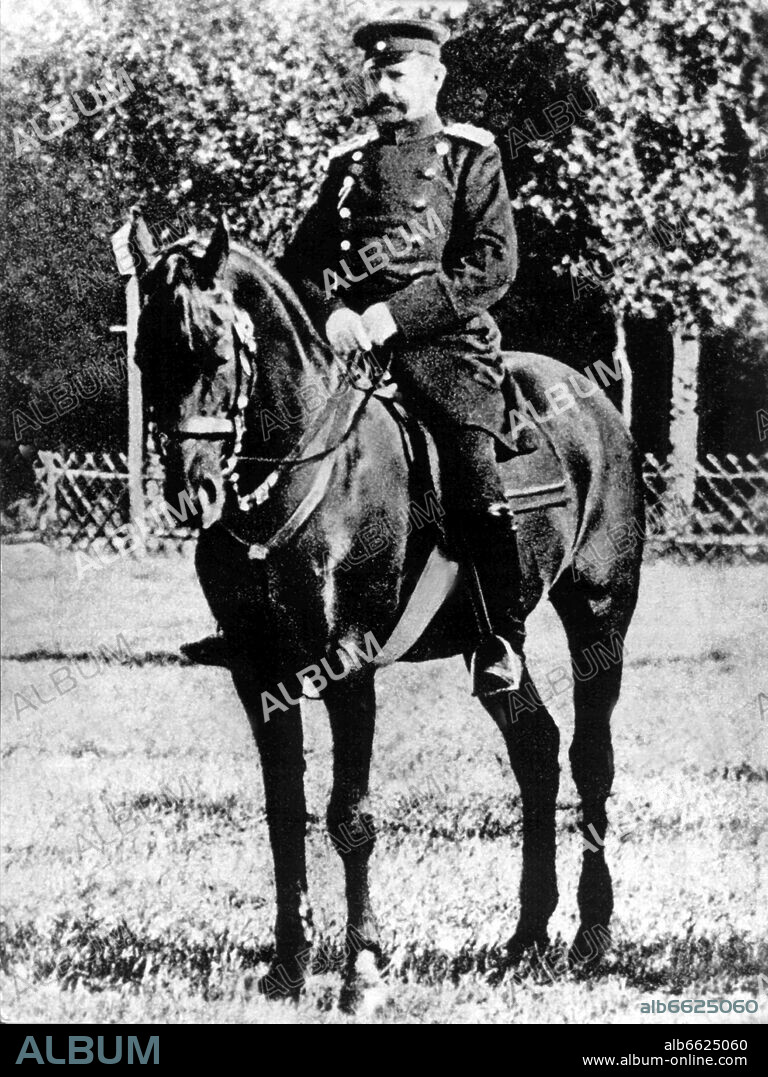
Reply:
x=523, y=954
x=527, y=945
x=211, y=651
x=364, y=991
x=589, y=949
x=275, y=986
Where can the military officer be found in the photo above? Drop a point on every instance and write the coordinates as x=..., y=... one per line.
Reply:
x=409, y=243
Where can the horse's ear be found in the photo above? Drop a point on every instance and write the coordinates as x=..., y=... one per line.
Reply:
x=141, y=245
x=214, y=260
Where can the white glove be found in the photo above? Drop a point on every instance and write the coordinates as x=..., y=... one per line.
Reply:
x=346, y=332
x=379, y=323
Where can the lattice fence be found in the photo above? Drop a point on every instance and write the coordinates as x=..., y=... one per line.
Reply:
x=83, y=503
x=729, y=515
x=83, y=497
x=165, y=531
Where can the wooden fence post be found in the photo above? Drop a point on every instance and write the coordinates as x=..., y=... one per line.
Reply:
x=48, y=514
x=124, y=256
x=684, y=419
x=135, y=415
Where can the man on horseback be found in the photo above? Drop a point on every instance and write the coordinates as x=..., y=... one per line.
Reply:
x=411, y=240
x=409, y=243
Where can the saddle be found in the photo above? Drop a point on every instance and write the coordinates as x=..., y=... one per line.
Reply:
x=437, y=577
x=511, y=443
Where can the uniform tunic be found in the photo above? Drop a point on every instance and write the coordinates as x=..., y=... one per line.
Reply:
x=419, y=218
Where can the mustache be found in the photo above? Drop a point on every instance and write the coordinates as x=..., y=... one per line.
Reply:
x=379, y=103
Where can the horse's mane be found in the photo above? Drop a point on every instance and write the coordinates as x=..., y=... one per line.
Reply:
x=284, y=301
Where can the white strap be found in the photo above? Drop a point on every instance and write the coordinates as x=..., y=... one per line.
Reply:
x=197, y=425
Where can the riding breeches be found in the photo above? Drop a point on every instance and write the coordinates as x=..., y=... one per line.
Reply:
x=458, y=409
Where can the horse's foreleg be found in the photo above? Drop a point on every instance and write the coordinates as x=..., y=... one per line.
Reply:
x=280, y=741
x=352, y=710
x=532, y=740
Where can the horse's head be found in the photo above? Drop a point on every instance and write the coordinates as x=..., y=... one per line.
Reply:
x=192, y=349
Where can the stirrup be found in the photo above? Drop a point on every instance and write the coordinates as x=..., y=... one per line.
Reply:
x=501, y=508
x=505, y=668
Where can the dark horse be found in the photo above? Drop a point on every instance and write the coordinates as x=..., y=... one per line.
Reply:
x=232, y=368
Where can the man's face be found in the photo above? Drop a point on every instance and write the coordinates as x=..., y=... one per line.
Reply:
x=403, y=91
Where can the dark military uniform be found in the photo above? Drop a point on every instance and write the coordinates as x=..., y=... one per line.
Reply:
x=419, y=218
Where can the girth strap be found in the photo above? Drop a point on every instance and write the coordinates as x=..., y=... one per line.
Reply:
x=433, y=587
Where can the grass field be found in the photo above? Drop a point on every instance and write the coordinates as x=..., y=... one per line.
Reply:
x=137, y=882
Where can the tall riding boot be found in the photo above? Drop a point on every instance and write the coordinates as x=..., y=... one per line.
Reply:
x=493, y=569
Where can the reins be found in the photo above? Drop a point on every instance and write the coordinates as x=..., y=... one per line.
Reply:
x=316, y=494
x=288, y=461
x=216, y=426
x=233, y=424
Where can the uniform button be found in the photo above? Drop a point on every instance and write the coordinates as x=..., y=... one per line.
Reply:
x=357, y=155
x=345, y=244
x=344, y=212
x=442, y=148
x=419, y=203
x=380, y=46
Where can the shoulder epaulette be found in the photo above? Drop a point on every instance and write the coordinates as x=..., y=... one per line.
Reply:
x=350, y=144
x=471, y=133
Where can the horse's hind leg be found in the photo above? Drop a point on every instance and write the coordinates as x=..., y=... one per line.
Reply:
x=596, y=642
x=533, y=741
x=351, y=708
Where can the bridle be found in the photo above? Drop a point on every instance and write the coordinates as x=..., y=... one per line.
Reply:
x=214, y=427
x=233, y=425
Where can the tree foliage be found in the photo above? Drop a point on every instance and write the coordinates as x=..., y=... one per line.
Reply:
x=235, y=105
x=649, y=194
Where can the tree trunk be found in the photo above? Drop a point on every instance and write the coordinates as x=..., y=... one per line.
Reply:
x=684, y=419
x=620, y=359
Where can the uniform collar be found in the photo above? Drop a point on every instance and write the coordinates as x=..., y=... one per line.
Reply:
x=411, y=132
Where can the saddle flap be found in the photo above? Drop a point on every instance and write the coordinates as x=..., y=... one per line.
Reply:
x=418, y=445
